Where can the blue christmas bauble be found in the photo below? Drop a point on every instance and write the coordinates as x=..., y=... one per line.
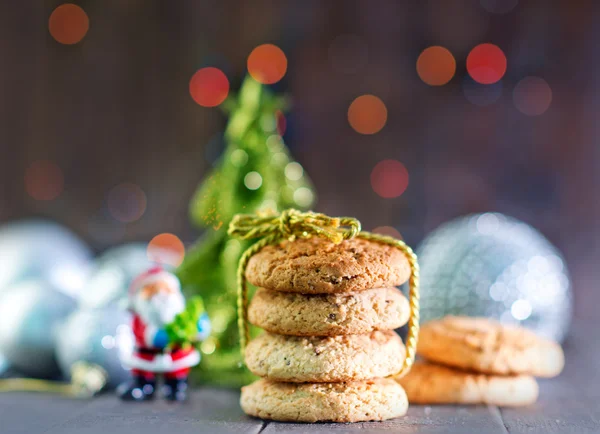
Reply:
x=40, y=249
x=99, y=336
x=495, y=266
x=112, y=274
x=29, y=314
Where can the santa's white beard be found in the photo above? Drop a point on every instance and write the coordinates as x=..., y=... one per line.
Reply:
x=161, y=309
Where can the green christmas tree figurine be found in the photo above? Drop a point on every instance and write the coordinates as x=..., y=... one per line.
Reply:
x=255, y=172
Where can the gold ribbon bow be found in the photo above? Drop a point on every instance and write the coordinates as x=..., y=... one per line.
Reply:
x=290, y=224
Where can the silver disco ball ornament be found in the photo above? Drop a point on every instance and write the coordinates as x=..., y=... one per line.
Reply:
x=495, y=266
x=29, y=314
x=98, y=336
x=44, y=250
x=112, y=274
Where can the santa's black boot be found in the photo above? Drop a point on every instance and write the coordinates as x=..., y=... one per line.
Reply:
x=175, y=389
x=137, y=389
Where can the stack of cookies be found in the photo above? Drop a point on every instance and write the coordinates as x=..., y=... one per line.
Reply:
x=480, y=361
x=329, y=342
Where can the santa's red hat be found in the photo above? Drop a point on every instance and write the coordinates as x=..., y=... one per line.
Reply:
x=154, y=274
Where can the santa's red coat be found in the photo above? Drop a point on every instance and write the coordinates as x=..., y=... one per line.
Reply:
x=146, y=357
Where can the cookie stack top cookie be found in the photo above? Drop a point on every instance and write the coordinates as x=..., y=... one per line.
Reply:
x=318, y=266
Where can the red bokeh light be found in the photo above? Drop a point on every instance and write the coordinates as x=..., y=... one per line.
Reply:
x=267, y=64
x=68, y=24
x=281, y=122
x=486, y=63
x=209, y=87
x=44, y=180
x=389, y=179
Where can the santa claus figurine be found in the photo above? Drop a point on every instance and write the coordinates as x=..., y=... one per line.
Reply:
x=155, y=299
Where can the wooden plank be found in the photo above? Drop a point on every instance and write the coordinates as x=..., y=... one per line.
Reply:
x=562, y=408
x=568, y=403
x=208, y=411
x=420, y=419
x=30, y=413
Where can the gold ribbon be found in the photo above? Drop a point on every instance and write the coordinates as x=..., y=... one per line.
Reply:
x=271, y=229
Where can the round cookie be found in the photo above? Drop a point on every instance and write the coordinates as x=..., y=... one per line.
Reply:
x=329, y=314
x=359, y=401
x=427, y=383
x=318, y=266
x=486, y=346
x=325, y=359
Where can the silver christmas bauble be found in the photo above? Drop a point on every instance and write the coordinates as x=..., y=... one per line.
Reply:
x=99, y=336
x=40, y=249
x=29, y=313
x=112, y=274
x=495, y=266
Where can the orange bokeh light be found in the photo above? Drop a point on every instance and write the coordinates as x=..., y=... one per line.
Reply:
x=389, y=179
x=267, y=64
x=209, y=87
x=390, y=231
x=486, y=63
x=367, y=114
x=44, y=180
x=68, y=24
x=436, y=66
x=166, y=249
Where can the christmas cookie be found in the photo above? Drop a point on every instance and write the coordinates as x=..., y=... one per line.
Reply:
x=325, y=359
x=378, y=399
x=317, y=266
x=486, y=346
x=427, y=383
x=329, y=314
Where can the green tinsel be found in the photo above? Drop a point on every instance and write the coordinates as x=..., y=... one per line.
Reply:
x=209, y=269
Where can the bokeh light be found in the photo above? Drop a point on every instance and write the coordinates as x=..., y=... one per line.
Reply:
x=239, y=158
x=532, y=96
x=367, y=114
x=267, y=64
x=44, y=180
x=68, y=24
x=303, y=197
x=481, y=94
x=293, y=171
x=389, y=179
x=390, y=231
x=499, y=6
x=281, y=122
x=348, y=54
x=126, y=202
x=436, y=66
x=486, y=63
x=209, y=87
x=166, y=249
x=253, y=180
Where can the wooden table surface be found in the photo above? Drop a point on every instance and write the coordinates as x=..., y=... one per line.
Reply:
x=568, y=403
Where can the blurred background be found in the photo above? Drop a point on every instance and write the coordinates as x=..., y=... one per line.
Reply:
x=404, y=114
